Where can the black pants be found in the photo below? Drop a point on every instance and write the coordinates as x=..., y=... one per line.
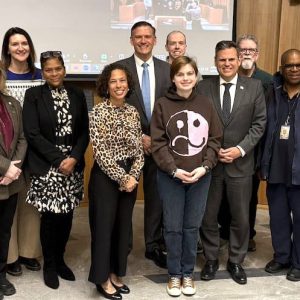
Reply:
x=153, y=217
x=7, y=212
x=54, y=233
x=284, y=212
x=110, y=215
x=224, y=217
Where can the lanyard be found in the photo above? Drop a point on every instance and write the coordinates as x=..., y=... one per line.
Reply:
x=292, y=108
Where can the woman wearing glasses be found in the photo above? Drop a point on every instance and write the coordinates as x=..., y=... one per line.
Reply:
x=55, y=122
x=18, y=57
x=12, y=153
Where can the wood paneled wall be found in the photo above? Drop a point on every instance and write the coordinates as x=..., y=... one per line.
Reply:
x=276, y=24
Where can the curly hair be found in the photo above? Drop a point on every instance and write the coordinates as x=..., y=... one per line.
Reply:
x=104, y=77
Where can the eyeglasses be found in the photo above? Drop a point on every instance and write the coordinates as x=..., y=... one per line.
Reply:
x=248, y=50
x=290, y=67
x=48, y=54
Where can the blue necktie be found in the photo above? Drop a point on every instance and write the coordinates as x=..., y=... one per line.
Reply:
x=146, y=91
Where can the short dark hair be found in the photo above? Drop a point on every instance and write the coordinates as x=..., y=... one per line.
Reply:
x=141, y=24
x=43, y=60
x=104, y=77
x=6, y=57
x=222, y=45
x=180, y=62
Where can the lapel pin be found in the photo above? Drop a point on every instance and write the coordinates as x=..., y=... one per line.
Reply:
x=241, y=87
x=9, y=103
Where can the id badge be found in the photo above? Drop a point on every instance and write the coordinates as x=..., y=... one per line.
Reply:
x=284, y=132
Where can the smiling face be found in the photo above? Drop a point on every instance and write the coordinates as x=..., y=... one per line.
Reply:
x=18, y=48
x=176, y=45
x=227, y=63
x=185, y=80
x=54, y=72
x=290, y=69
x=143, y=41
x=117, y=87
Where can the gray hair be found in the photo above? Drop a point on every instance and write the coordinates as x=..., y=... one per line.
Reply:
x=250, y=37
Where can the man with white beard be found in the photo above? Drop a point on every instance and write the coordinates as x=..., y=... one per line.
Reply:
x=249, y=53
x=247, y=45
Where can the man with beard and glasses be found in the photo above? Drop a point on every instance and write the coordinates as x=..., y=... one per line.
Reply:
x=248, y=53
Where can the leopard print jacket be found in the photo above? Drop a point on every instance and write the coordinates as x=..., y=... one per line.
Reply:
x=116, y=135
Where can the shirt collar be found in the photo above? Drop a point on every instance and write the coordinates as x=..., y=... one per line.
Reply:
x=139, y=62
x=233, y=80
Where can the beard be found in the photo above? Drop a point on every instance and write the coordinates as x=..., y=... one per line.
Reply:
x=247, y=64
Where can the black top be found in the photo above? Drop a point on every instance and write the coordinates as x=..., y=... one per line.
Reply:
x=283, y=150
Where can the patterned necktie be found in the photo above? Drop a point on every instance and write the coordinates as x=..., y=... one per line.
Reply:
x=146, y=90
x=226, y=101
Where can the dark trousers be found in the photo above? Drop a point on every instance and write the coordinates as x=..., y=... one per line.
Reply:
x=152, y=206
x=284, y=209
x=224, y=217
x=110, y=216
x=238, y=191
x=54, y=233
x=7, y=212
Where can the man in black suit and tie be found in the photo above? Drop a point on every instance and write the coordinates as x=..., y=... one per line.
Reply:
x=152, y=79
x=240, y=104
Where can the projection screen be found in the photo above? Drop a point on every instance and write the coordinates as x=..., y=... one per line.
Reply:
x=93, y=33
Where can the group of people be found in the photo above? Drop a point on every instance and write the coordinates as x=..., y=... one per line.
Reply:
x=200, y=145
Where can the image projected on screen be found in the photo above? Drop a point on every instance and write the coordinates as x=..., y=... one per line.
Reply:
x=182, y=14
x=94, y=33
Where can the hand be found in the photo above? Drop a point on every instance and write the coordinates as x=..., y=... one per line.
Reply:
x=67, y=166
x=229, y=155
x=184, y=176
x=146, y=142
x=5, y=181
x=131, y=184
x=198, y=173
x=13, y=172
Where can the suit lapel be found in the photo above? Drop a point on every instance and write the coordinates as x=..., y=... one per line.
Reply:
x=48, y=102
x=158, y=82
x=239, y=95
x=215, y=93
x=137, y=87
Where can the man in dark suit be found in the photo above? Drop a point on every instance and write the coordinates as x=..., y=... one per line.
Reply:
x=240, y=104
x=249, y=53
x=143, y=40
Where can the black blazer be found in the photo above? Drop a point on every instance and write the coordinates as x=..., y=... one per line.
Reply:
x=39, y=122
x=162, y=83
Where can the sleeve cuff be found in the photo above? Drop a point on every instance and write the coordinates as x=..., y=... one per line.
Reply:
x=243, y=153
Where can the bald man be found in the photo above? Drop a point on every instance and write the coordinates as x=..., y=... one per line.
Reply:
x=281, y=168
